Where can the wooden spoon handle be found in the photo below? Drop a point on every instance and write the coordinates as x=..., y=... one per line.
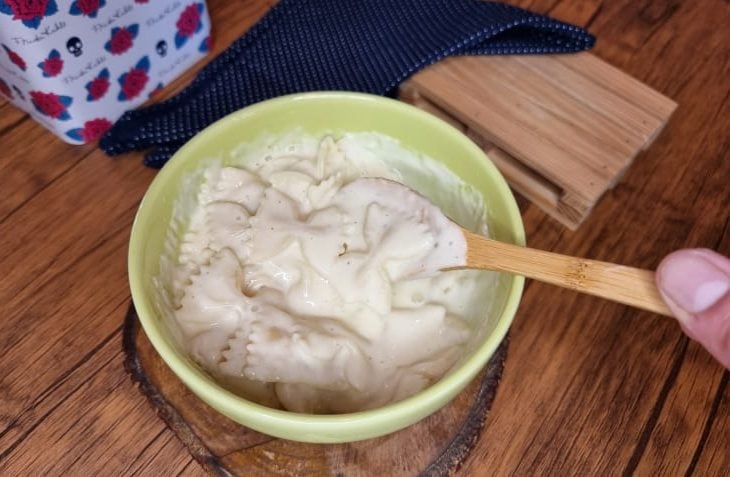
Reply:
x=628, y=285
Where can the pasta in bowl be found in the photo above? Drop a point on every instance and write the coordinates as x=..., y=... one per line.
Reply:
x=274, y=293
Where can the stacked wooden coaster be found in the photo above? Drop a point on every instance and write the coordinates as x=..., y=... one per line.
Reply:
x=562, y=129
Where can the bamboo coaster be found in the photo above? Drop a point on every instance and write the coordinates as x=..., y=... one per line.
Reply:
x=562, y=129
x=435, y=446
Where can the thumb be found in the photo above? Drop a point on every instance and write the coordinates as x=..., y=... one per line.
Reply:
x=695, y=283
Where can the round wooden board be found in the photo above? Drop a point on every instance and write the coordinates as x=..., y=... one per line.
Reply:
x=436, y=445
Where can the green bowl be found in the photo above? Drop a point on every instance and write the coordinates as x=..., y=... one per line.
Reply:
x=318, y=113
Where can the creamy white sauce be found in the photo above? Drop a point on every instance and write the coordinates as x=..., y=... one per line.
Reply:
x=293, y=283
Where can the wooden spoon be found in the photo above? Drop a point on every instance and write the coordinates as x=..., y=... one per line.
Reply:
x=627, y=285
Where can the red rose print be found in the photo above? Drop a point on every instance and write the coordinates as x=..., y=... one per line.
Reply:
x=121, y=42
x=27, y=9
x=15, y=58
x=94, y=129
x=87, y=7
x=189, y=20
x=48, y=103
x=134, y=82
x=29, y=12
x=122, y=39
x=97, y=88
x=52, y=66
x=91, y=131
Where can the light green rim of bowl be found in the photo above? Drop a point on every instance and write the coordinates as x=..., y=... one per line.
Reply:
x=307, y=427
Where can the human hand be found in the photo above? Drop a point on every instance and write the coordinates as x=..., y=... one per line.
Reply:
x=695, y=284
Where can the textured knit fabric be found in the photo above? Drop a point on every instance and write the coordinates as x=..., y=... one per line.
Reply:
x=355, y=45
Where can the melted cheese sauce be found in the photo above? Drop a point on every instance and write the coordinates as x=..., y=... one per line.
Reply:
x=294, y=282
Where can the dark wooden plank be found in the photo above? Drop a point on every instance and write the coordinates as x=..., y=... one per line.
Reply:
x=589, y=388
x=577, y=12
x=537, y=6
x=10, y=117
x=55, y=331
x=712, y=456
x=193, y=469
x=679, y=427
x=595, y=371
x=104, y=424
x=165, y=455
x=32, y=159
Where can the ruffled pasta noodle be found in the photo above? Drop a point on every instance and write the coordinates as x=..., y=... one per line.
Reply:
x=294, y=290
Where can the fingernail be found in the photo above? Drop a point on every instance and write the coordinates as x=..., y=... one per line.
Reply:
x=692, y=282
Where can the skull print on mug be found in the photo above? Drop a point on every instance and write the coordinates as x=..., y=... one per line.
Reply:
x=161, y=48
x=74, y=46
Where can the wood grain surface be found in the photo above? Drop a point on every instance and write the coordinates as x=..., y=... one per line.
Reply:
x=589, y=388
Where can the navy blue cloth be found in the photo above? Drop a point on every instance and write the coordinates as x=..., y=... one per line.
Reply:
x=355, y=45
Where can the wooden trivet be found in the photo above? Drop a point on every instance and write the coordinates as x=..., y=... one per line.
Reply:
x=437, y=445
x=562, y=129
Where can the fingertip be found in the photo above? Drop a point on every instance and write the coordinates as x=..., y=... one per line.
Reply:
x=692, y=281
x=695, y=284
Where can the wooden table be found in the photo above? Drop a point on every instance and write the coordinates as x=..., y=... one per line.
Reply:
x=590, y=387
